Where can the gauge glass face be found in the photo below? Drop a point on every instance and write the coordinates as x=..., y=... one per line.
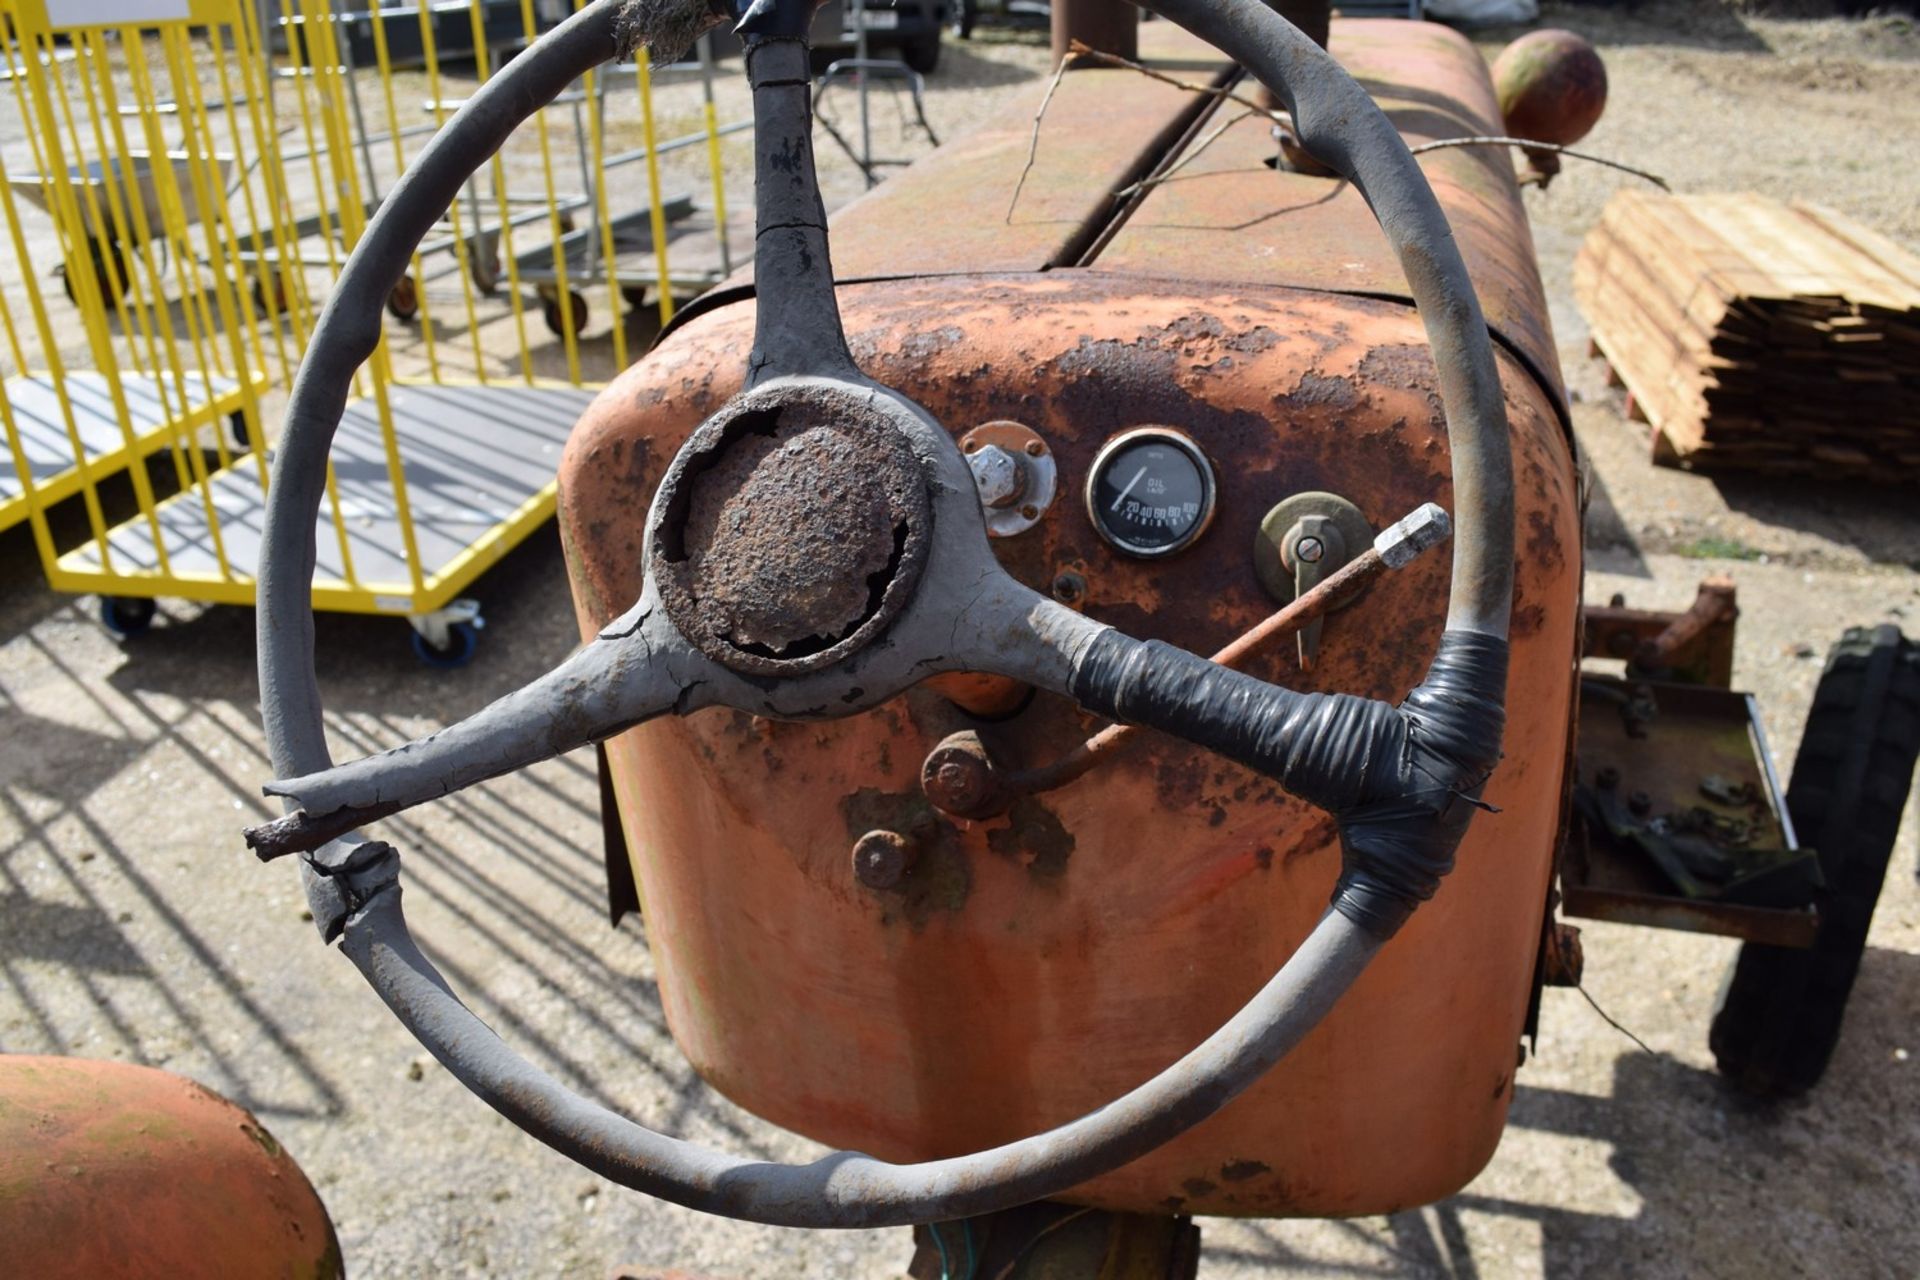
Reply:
x=1150, y=494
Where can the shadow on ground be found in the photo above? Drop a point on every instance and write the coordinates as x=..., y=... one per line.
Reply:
x=1794, y=1184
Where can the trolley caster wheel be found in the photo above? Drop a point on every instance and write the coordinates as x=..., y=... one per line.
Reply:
x=238, y=429
x=483, y=261
x=403, y=303
x=462, y=639
x=550, y=309
x=922, y=53
x=127, y=616
x=1780, y=1012
x=270, y=298
x=103, y=274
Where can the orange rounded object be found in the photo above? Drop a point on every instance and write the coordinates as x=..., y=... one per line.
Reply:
x=1552, y=86
x=109, y=1169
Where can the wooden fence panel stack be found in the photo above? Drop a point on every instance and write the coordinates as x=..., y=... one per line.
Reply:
x=1759, y=336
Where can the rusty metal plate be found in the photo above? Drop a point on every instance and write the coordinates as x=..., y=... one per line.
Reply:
x=1086, y=938
x=1227, y=215
x=1698, y=734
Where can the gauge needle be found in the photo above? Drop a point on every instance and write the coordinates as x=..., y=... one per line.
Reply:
x=1129, y=489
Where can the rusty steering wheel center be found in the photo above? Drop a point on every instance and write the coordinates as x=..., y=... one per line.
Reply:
x=791, y=528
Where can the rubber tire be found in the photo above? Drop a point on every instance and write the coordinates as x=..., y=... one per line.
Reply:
x=403, y=304
x=98, y=250
x=1781, y=1010
x=550, y=312
x=237, y=430
x=127, y=616
x=922, y=53
x=270, y=299
x=965, y=14
x=463, y=638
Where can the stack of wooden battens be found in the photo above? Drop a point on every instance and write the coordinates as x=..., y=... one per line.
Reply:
x=1759, y=336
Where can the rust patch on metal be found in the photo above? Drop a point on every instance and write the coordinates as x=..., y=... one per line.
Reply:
x=791, y=533
x=1036, y=838
x=1241, y=1170
x=939, y=879
x=1019, y=356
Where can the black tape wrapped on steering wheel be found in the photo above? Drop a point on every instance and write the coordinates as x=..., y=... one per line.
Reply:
x=1403, y=782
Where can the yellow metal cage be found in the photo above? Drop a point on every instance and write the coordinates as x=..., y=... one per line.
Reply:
x=199, y=170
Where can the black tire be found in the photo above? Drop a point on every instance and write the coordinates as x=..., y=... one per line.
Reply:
x=965, y=14
x=1780, y=1014
x=127, y=616
x=237, y=428
x=922, y=53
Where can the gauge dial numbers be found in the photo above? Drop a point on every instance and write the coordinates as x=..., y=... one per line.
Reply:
x=1150, y=492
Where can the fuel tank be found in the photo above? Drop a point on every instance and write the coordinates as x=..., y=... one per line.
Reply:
x=1035, y=965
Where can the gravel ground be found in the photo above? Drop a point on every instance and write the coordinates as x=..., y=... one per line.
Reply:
x=131, y=925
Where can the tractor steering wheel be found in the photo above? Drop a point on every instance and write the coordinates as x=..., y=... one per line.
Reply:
x=763, y=597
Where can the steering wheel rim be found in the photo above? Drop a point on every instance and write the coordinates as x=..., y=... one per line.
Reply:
x=641, y=665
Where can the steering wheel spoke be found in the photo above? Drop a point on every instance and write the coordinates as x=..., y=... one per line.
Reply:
x=625, y=676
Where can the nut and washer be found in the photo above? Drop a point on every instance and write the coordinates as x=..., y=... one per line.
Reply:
x=1016, y=505
x=1000, y=476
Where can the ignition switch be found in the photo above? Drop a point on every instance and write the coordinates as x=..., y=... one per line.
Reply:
x=1303, y=540
x=1014, y=472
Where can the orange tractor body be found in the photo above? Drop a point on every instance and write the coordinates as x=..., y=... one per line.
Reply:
x=1038, y=963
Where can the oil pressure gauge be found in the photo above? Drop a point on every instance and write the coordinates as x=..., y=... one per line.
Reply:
x=1150, y=492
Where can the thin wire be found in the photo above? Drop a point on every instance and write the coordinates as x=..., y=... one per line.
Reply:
x=1611, y=1021
x=1533, y=144
x=946, y=1265
x=973, y=1263
x=1553, y=943
x=1040, y=1235
x=1033, y=142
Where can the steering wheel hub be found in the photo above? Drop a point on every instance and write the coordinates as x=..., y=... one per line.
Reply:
x=791, y=529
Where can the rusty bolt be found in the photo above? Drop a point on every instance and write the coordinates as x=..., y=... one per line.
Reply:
x=997, y=474
x=1609, y=778
x=1639, y=804
x=882, y=859
x=1069, y=587
x=1566, y=959
x=1309, y=550
x=959, y=779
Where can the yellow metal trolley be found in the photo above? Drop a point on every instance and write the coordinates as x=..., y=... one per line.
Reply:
x=192, y=283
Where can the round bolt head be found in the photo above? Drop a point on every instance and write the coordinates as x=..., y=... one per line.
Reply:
x=882, y=859
x=958, y=779
x=1309, y=550
x=997, y=474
